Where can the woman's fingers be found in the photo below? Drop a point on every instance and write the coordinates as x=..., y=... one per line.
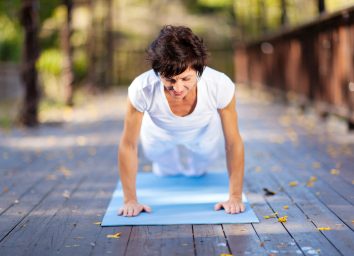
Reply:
x=133, y=209
x=230, y=207
x=146, y=208
x=218, y=206
x=120, y=211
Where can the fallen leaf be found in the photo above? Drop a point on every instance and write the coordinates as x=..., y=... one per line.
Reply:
x=316, y=165
x=66, y=194
x=268, y=192
x=258, y=169
x=286, y=207
x=313, y=178
x=116, y=235
x=324, y=228
x=92, y=151
x=81, y=140
x=65, y=171
x=274, y=215
x=309, y=184
x=225, y=254
x=97, y=223
x=293, y=183
x=334, y=171
x=5, y=190
x=283, y=219
x=51, y=177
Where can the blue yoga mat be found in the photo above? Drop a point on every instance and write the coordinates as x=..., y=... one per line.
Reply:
x=178, y=200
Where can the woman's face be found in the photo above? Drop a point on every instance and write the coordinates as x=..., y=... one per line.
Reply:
x=178, y=86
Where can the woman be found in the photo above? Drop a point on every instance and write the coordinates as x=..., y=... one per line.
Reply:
x=180, y=102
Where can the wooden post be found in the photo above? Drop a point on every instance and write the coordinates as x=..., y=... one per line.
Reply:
x=284, y=15
x=321, y=6
x=29, y=21
x=67, y=70
x=109, y=43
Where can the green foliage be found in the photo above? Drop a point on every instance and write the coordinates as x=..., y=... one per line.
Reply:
x=80, y=65
x=50, y=62
x=10, y=40
x=216, y=3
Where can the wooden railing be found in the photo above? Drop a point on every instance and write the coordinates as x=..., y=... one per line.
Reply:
x=314, y=62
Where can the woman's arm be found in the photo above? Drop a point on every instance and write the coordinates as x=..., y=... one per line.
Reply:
x=128, y=162
x=234, y=157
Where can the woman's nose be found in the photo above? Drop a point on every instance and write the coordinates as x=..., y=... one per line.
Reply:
x=178, y=86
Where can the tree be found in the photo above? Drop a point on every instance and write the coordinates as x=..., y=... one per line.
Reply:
x=67, y=69
x=284, y=15
x=30, y=22
x=321, y=6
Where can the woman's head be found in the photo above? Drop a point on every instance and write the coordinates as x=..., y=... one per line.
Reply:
x=175, y=50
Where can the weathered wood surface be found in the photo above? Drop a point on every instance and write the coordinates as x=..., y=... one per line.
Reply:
x=56, y=183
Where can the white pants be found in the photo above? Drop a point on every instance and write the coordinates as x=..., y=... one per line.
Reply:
x=173, y=154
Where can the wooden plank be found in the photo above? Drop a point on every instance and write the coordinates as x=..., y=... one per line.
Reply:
x=324, y=191
x=25, y=235
x=274, y=237
x=209, y=240
x=243, y=240
x=340, y=235
x=341, y=184
x=161, y=240
x=32, y=176
x=72, y=228
x=299, y=223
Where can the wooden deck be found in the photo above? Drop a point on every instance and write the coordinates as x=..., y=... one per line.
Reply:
x=56, y=183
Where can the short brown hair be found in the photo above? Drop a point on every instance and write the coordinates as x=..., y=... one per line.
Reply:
x=175, y=49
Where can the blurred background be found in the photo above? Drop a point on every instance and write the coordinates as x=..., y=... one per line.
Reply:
x=53, y=53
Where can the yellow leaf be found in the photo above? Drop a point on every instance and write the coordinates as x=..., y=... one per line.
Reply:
x=286, y=207
x=225, y=254
x=65, y=171
x=293, y=183
x=81, y=140
x=258, y=169
x=116, y=235
x=283, y=219
x=274, y=215
x=334, y=171
x=97, y=223
x=309, y=184
x=324, y=228
x=316, y=165
x=313, y=178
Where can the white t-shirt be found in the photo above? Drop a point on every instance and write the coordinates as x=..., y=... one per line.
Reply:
x=146, y=93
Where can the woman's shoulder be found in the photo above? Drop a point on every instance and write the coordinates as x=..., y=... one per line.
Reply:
x=210, y=73
x=146, y=80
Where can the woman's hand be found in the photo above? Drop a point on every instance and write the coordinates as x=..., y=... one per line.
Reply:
x=232, y=206
x=133, y=208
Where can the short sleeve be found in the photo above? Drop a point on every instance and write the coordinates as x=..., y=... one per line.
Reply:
x=136, y=95
x=225, y=92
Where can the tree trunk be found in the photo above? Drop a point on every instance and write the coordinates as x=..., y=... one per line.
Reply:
x=321, y=6
x=110, y=43
x=284, y=14
x=67, y=70
x=30, y=23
